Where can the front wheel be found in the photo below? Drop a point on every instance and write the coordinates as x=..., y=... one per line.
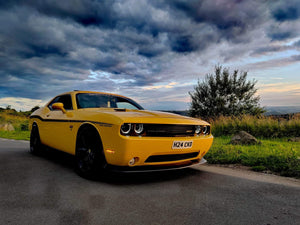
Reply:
x=90, y=159
x=35, y=141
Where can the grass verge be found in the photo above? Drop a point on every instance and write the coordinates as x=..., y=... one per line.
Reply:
x=277, y=155
x=17, y=135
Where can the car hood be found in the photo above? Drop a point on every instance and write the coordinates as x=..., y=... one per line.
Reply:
x=142, y=116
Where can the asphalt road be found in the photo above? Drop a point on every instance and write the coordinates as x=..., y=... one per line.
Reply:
x=46, y=190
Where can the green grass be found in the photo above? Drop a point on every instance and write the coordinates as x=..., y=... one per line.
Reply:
x=17, y=135
x=277, y=155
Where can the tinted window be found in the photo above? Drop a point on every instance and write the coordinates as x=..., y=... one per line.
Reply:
x=125, y=105
x=65, y=99
x=91, y=100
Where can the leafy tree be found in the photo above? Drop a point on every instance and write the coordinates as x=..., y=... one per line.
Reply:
x=225, y=94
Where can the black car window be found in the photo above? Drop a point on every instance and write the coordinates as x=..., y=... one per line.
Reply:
x=65, y=99
x=91, y=100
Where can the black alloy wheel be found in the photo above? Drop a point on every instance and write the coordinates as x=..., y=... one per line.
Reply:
x=35, y=141
x=90, y=159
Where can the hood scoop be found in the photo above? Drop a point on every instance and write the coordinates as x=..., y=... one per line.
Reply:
x=120, y=110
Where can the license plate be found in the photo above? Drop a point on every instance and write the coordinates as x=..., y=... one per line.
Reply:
x=182, y=144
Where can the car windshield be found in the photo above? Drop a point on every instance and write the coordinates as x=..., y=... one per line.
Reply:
x=94, y=100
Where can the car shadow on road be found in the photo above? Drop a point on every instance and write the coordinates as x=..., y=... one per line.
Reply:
x=67, y=161
x=150, y=177
x=60, y=158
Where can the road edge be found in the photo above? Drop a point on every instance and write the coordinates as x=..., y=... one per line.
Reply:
x=243, y=172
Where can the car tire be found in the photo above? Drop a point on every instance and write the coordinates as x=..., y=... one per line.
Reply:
x=90, y=159
x=35, y=141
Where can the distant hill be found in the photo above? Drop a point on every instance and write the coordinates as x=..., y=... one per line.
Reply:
x=271, y=110
x=280, y=110
x=182, y=112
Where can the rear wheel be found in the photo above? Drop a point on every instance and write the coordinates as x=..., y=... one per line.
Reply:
x=90, y=159
x=35, y=141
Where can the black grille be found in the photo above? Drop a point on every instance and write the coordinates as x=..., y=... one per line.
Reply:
x=173, y=157
x=169, y=130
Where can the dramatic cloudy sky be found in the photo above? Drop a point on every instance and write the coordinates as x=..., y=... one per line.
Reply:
x=152, y=51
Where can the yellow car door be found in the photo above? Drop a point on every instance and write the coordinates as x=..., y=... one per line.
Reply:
x=58, y=125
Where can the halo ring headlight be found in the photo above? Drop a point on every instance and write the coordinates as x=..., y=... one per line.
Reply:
x=197, y=129
x=126, y=128
x=205, y=129
x=138, y=128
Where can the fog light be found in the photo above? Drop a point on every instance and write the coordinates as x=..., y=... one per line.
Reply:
x=133, y=161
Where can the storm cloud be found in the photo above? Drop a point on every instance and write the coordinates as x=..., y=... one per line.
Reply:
x=52, y=46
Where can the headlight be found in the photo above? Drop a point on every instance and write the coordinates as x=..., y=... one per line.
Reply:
x=202, y=129
x=138, y=128
x=205, y=130
x=126, y=128
x=197, y=129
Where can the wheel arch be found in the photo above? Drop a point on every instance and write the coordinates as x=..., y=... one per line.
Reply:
x=90, y=126
x=34, y=123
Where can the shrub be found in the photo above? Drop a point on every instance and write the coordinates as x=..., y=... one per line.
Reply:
x=24, y=126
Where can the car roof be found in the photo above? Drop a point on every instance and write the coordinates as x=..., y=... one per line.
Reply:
x=92, y=92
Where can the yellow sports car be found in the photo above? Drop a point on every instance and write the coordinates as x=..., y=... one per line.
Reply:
x=108, y=131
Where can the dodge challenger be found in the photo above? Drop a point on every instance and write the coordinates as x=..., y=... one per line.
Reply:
x=112, y=132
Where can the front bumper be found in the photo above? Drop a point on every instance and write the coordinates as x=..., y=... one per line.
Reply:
x=155, y=152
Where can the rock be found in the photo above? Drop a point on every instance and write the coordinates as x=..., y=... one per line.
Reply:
x=7, y=127
x=244, y=138
x=294, y=139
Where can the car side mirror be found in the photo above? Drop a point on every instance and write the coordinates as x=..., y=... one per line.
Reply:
x=59, y=106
